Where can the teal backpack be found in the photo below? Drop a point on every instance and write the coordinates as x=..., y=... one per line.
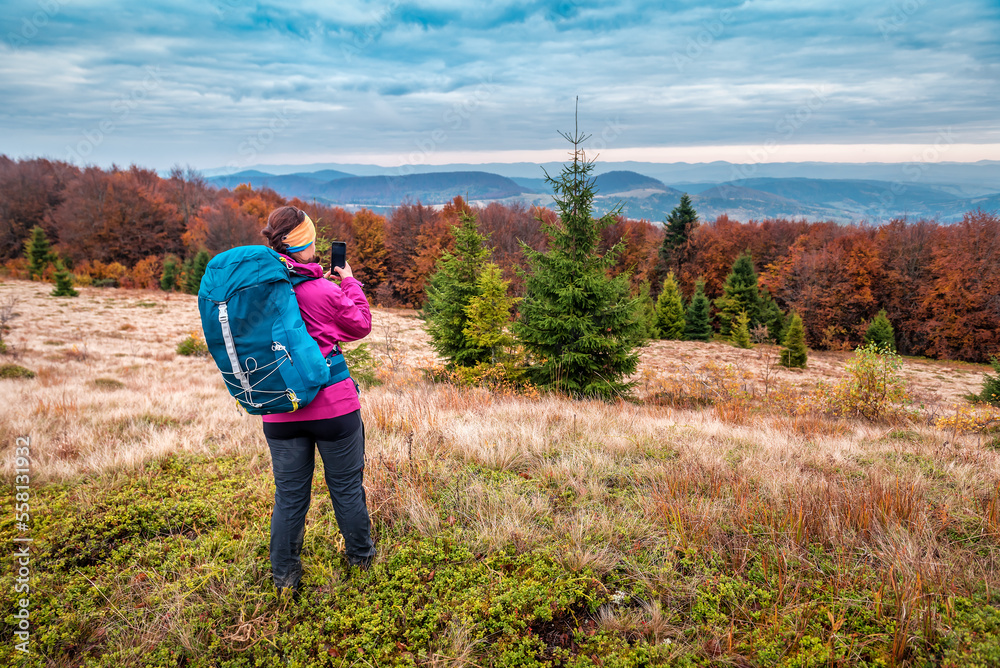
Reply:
x=255, y=333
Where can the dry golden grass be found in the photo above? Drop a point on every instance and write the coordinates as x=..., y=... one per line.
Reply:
x=112, y=393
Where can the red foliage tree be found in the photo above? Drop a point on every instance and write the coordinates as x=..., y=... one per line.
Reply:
x=507, y=226
x=964, y=297
x=117, y=216
x=403, y=230
x=30, y=191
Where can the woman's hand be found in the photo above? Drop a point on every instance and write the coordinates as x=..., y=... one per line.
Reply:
x=344, y=272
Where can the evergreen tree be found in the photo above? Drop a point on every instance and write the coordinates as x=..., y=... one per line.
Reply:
x=740, y=331
x=64, y=282
x=38, y=252
x=698, y=326
x=795, y=353
x=880, y=331
x=740, y=293
x=990, y=393
x=677, y=227
x=670, y=310
x=449, y=291
x=488, y=314
x=194, y=273
x=647, y=307
x=171, y=271
x=580, y=325
x=772, y=316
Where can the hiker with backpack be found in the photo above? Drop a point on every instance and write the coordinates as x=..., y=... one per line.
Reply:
x=254, y=302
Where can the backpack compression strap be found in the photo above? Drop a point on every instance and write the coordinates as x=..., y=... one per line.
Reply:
x=338, y=366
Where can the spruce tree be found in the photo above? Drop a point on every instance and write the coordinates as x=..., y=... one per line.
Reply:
x=677, y=230
x=647, y=308
x=38, y=252
x=795, y=354
x=990, y=393
x=449, y=291
x=740, y=293
x=698, y=326
x=740, y=331
x=197, y=269
x=171, y=270
x=580, y=326
x=670, y=310
x=881, y=332
x=488, y=314
x=772, y=316
x=64, y=282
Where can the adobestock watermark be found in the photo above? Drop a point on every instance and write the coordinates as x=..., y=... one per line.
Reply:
x=256, y=142
x=914, y=171
x=365, y=36
x=900, y=14
x=454, y=118
x=612, y=130
x=121, y=108
x=711, y=30
x=22, y=543
x=784, y=129
x=225, y=7
x=32, y=25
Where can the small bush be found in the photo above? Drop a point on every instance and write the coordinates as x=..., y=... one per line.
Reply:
x=108, y=384
x=873, y=389
x=15, y=371
x=193, y=346
x=504, y=379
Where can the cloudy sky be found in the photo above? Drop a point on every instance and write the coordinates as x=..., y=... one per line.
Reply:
x=213, y=83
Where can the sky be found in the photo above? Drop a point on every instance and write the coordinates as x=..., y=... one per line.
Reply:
x=228, y=83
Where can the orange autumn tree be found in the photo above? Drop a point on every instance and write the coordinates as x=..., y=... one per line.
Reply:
x=117, y=216
x=641, y=241
x=402, y=231
x=221, y=226
x=964, y=297
x=370, y=254
x=434, y=239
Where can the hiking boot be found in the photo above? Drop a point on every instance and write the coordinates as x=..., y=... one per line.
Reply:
x=364, y=563
x=293, y=592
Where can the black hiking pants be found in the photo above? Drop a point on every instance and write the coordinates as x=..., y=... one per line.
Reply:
x=293, y=445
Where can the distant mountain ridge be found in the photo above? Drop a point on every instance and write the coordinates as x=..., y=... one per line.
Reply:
x=638, y=195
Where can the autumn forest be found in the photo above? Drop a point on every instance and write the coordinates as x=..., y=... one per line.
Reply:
x=939, y=284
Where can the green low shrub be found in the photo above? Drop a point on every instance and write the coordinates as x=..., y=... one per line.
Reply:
x=15, y=371
x=193, y=345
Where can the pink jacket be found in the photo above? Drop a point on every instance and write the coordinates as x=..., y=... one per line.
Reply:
x=332, y=314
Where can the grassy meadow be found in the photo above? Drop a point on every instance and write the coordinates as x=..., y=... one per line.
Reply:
x=721, y=518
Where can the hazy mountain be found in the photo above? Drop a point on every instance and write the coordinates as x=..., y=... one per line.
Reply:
x=625, y=181
x=303, y=186
x=436, y=188
x=533, y=185
x=972, y=178
x=642, y=196
x=324, y=175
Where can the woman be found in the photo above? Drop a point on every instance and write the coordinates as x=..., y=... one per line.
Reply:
x=330, y=423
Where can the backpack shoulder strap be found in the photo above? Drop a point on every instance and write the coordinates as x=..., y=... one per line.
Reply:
x=293, y=276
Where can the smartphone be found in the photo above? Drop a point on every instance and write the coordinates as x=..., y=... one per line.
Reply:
x=338, y=254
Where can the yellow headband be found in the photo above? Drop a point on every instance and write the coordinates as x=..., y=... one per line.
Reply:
x=302, y=237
